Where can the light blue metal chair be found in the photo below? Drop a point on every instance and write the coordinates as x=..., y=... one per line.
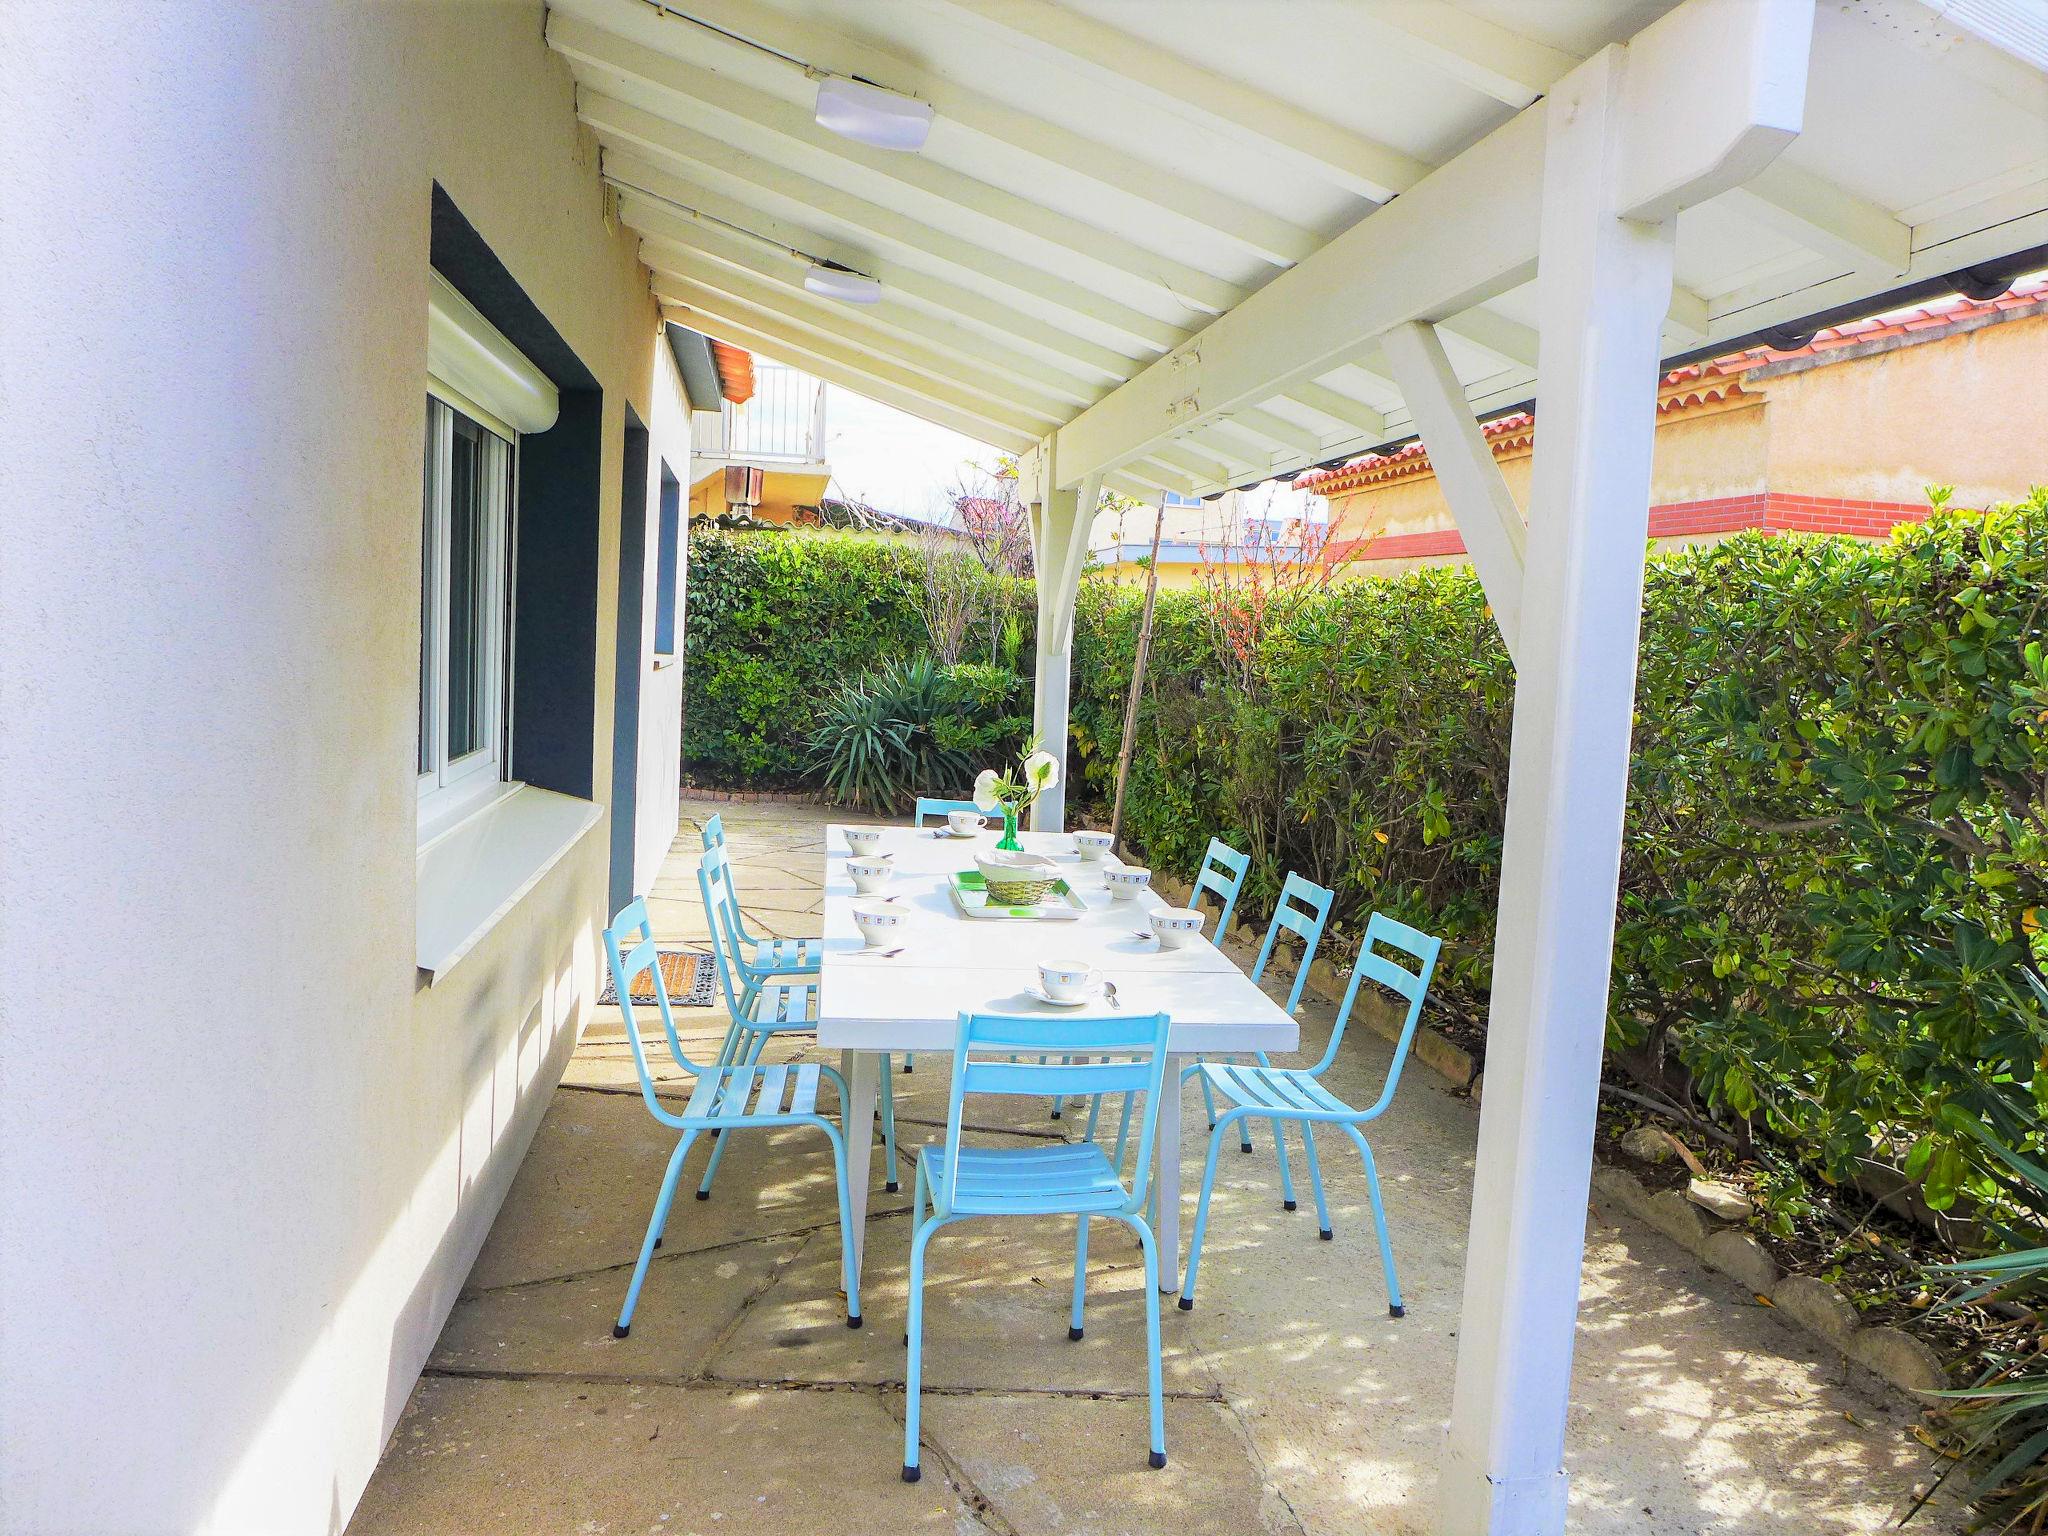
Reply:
x=1303, y=910
x=1281, y=1094
x=1063, y=1179
x=727, y=1097
x=928, y=806
x=763, y=1008
x=762, y=957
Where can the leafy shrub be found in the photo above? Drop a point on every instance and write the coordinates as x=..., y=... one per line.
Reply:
x=774, y=621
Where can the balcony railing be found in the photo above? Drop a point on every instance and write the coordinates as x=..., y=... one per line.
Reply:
x=785, y=419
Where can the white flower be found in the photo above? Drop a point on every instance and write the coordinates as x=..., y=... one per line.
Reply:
x=1041, y=771
x=985, y=792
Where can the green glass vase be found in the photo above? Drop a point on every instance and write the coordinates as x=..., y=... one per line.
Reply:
x=1008, y=842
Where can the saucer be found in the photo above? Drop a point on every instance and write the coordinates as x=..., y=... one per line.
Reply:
x=957, y=837
x=1038, y=994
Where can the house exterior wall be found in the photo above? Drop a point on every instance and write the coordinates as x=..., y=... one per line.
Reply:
x=1844, y=441
x=246, y=1155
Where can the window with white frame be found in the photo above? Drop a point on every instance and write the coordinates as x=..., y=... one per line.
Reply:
x=465, y=558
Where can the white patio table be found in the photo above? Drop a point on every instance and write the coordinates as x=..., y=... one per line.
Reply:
x=911, y=1002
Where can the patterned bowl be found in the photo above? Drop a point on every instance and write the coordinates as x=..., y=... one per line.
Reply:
x=1126, y=880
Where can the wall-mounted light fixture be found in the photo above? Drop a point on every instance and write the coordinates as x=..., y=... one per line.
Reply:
x=829, y=280
x=868, y=114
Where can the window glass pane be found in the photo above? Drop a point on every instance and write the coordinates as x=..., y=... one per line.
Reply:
x=468, y=591
x=427, y=584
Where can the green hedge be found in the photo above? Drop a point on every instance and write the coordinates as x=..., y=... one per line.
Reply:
x=1838, y=825
x=774, y=622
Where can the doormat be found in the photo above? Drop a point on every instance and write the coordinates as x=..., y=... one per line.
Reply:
x=687, y=974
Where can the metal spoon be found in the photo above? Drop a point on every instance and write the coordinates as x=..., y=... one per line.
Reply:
x=882, y=954
x=1109, y=991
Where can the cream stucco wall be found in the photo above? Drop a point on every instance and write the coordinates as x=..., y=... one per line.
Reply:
x=1969, y=410
x=245, y=1156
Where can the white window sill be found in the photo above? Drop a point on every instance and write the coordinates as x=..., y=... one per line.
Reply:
x=475, y=872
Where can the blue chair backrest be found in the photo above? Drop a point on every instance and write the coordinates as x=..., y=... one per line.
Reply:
x=928, y=807
x=721, y=912
x=1418, y=946
x=1222, y=873
x=1135, y=1044
x=714, y=842
x=1304, y=911
x=629, y=948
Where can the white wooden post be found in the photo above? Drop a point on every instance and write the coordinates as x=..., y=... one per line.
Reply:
x=1604, y=283
x=1060, y=524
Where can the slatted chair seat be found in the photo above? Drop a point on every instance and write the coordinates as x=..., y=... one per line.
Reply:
x=996, y=1181
x=1287, y=1091
x=754, y=1095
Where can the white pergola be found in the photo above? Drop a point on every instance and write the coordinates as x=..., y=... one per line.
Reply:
x=1191, y=244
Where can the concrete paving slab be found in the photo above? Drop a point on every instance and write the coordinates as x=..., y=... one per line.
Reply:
x=564, y=1327
x=1062, y=1464
x=581, y=1199
x=577, y=1459
x=996, y=1301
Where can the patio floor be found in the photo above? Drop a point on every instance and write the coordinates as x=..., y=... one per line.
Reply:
x=742, y=1403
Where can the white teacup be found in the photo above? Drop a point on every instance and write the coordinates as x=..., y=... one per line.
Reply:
x=878, y=924
x=871, y=874
x=1176, y=927
x=1092, y=846
x=1066, y=981
x=965, y=823
x=1126, y=880
x=865, y=842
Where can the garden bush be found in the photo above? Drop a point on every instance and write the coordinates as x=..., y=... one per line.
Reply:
x=776, y=621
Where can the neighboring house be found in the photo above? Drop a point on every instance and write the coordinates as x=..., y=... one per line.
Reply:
x=1841, y=435
x=762, y=456
x=1269, y=523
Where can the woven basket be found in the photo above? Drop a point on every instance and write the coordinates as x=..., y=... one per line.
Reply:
x=1017, y=882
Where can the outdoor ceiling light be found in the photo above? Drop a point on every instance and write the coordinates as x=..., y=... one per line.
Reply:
x=830, y=281
x=868, y=114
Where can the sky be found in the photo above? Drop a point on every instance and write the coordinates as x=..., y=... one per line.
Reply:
x=892, y=460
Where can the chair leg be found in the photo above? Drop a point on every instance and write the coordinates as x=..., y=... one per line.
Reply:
x=1315, y=1178
x=1379, y=1219
x=849, y=1276
x=1080, y=1278
x=1094, y=1112
x=886, y=1108
x=1208, y=1099
x=907, y=1059
x=1286, y=1172
x=913, y=1369
x=1155, y=1388
x=1187, y=1289
x=655, y=1224
x=1059, y=1102
x=1123, y=1130
x=756, y=1043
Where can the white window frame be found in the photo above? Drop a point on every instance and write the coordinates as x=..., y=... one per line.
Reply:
x=450, y=789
